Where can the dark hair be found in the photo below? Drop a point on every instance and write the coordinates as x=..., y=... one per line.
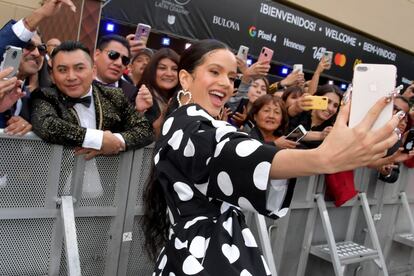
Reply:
x=71, y=46
x=292, y=90
x=266, y=99
x=155, y=221
x=330, y=88
x=106, y=39
x=150, y=72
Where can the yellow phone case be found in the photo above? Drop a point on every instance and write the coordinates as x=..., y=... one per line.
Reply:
x=318, y=102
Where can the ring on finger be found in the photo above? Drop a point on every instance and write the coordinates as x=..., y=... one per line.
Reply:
x=398, y=132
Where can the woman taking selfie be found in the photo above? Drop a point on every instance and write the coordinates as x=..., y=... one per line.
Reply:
x=206, y=172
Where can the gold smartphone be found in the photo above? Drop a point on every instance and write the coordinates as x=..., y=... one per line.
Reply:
x=318, y=102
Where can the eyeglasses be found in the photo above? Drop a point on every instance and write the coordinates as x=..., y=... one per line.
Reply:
x=114, y=55
x=41, y=48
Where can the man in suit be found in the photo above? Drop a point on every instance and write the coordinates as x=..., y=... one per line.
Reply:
x=111, y=58
x=82, y=113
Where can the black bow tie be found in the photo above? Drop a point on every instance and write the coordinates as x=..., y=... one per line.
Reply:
x=86, y=101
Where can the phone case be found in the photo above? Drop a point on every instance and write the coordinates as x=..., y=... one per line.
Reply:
x=266, y=54
x=298, y=67
x=318, y=102
x=297, y=134
x=370, y=83
x=142, y=33
x=409, y=142
x=242, y=53
x=328, y=56
x=11, y=58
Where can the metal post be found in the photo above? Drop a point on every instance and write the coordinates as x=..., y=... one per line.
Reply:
x=71, y=242
x=265, y=242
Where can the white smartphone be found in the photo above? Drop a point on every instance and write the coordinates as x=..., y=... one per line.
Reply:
x=297, y=134
x=142, y=32
x=298, y=67
x=11, y=58
x=370, y=83
x=328, y=55
x=242, y=53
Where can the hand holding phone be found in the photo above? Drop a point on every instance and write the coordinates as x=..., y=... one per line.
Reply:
x=11, y=58
x=297, y=134
x=370, y=83
x=242, y=53
x=142, y=33
x=298, y=67
x=266, y=55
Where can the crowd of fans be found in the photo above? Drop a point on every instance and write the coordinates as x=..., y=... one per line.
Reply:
x=117, y=99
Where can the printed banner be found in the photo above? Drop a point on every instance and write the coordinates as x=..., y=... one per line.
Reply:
x=295, y=37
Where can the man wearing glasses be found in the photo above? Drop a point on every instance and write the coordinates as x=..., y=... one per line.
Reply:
x=22, y=34
x=112, y=57
x=82, y=113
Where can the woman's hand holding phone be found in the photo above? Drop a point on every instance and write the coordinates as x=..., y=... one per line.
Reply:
x=349, y=148
x=135, y=45
x=284, y=143
x=258, y=69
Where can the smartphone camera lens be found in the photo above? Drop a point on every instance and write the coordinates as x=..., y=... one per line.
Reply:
x=14, y=55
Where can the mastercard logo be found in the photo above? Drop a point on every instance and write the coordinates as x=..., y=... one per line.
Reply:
x=340, y=60
x=252, y=31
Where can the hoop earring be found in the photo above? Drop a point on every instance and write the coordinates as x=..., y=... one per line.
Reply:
x=184, y=93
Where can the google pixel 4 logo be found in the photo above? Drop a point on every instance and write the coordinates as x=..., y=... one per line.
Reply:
x=252, y=31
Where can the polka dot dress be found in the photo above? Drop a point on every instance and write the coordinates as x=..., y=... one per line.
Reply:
x=209, y=172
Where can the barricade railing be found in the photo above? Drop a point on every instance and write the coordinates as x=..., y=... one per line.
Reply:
x=106, y=195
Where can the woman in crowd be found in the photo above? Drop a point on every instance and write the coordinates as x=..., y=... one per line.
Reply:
x=206, y=171
x=160, y=77
x=257, y=88
x=270, y=119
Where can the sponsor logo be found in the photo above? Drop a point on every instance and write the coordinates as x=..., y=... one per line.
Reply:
x=293, y=45
x=229, y=24
x=318, y=52
x=176, y=6
x=171, y=19
x=340, y=59
x=252, y=31
x=182, y=2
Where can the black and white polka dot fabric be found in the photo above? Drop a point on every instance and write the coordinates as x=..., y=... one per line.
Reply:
x=209, y=172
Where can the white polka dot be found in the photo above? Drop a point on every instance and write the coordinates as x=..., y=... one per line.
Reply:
x=170, y=234
x=175, y=140
x=247, y=147
x=245, y=273
x=249, y=240
x=163, y=262
x=172, y=274
x=202, y=188
x=228, y=225
x=265, y=266
x=232, y=253
x=208, y=160
x=170, y=215
x=193, y=221
x=223, y=131
x=224, y=207
x=224, y=183
x=167, y=125
x=261, y=175
x=219, y=123
x=183, y=191
x=179, y=244
x=282, y=212
x=220, y=146
x=189, y=149
x=191, y=266
x=157, y=157
x=198, y=247
x=245, y=204
x=192, y=111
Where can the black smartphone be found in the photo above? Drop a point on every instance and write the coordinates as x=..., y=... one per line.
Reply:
x=409, y=142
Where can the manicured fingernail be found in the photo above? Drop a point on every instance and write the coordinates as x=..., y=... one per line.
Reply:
x=400, y=114
x=390, y=96
x=346, y=98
